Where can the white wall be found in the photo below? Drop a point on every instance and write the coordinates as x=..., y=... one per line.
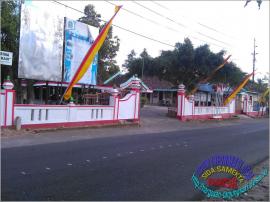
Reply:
x=31, y=114
x=42, y=114
x=185, y=107
x=6, y=102
x=2, y=108
x=129, y=106
x=188, y=107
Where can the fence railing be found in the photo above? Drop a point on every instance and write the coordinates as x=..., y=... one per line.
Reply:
x=96, y=99
x=210, y=110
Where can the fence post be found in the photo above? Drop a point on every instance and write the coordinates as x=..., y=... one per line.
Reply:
x=135, y=89
x=180, y=101
x=7, y=100
x=114, y=101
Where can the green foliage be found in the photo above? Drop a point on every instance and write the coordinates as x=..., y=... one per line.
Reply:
x=10, y=35
x=143, y=101
x=107, y=63
x=185, y=64
x=260, y=86
x=10, y=19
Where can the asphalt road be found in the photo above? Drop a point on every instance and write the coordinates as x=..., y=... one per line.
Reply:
x=155, y=166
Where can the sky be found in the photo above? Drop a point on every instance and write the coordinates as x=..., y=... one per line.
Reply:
x=223, y=25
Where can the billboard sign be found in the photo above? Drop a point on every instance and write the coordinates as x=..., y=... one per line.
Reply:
x=41, y=42
x=6, y=58
x=78, y=39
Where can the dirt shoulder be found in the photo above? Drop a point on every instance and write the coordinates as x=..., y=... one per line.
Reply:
x=261, y=191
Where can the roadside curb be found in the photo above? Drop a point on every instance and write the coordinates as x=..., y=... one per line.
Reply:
x=4, y=132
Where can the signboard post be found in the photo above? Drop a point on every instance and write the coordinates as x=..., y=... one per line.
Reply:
x=6, y=58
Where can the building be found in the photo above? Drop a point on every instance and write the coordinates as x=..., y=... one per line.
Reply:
x=253, y=99
x=164, y=92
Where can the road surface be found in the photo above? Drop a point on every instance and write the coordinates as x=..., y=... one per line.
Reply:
x=155, y=166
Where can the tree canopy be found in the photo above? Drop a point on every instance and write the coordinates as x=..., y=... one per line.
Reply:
x=10, y=35
x=185, y=64
x=106, y=56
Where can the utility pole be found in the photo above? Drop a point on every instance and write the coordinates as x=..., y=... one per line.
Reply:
x=142, y=66
x=254, y=58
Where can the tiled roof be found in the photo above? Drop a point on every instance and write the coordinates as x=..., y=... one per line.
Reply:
x=151, y=82
x=156, y=83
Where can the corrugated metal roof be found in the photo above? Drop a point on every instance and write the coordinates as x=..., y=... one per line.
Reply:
x=206, y=87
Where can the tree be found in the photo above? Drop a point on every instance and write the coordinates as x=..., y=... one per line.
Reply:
x=130, y=57
x=129, y=62
x=10, y=35
x=107, y=53
x=186, y=64
x=10, y=20
x=259, y=2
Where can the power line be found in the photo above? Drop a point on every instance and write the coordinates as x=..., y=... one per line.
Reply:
x=169, y=27
x=158, y=23
x=147, y=19
x=199, y=23
x=157, y=13
x=159, y=5
x=130, y=31
x=136, y=33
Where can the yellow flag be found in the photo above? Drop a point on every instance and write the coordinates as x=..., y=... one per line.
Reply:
x=88, y=58
x=237, y=89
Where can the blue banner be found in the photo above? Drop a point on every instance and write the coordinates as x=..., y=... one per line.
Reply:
x=78, y=39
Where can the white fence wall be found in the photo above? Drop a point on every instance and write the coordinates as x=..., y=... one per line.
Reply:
x=6, y=107
x=42, y=114
x=69, y=115
x=211, y=110
x=129, y=106
x=2, y=108
x=186, y=108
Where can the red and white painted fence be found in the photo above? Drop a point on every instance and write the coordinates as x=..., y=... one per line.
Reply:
x=7, y=99
x=186, y=109
x=48, y=116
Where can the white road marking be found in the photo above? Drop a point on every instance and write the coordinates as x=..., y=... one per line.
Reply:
x=131, y=152
x=69, y=164
x=104, y=157
x=87, y=160
x=23, y=173
x=142, y=150
x=47, y=168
